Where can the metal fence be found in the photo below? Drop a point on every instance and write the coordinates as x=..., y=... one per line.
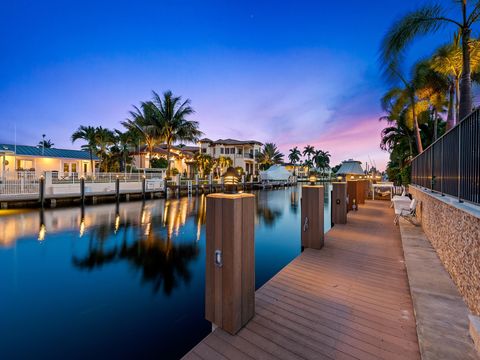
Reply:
x=451, y=165
x=19, y=183
x=74, y=178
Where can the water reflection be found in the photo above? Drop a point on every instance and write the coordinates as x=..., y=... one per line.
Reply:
x=90, y=258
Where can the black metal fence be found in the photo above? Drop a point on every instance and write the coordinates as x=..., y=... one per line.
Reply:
x=451, y=165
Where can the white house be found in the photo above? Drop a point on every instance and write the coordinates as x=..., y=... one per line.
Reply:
x=242, y=152
x=19, y=158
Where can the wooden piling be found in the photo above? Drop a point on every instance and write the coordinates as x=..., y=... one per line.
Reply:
x=352, y=192
x=230, y=261
x=339, y=202
x=312, y=228
x=117, y=189
x=41, y=190
x=82, y=191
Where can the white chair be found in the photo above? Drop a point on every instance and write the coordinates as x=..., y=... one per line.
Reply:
x=407, y=213
x=402, y=197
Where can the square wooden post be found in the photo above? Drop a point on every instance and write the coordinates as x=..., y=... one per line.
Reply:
x=312, y=216
x=361, y=192
x=352, y=192
x=339, y=202
x=230, y=261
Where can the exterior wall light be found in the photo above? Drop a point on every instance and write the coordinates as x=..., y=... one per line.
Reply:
x=313, y=179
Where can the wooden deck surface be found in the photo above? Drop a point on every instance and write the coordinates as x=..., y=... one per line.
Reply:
x=350, y=300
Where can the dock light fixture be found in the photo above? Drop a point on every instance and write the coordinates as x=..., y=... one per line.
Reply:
x=339, y=178
x=313, y=179
x=230, y=180
x=352, y=177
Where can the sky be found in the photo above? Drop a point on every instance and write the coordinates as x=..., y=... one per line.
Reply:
x=288, y=72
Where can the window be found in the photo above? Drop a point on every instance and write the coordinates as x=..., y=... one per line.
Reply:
x=25, y=165
x=204, y=150
x=221, y=150
x=74, y=167
x=240, y=151
x=66, y=168
x=85, y=167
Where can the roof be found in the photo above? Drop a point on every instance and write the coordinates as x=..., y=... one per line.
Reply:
x=52, y=152
x=161, y=149
x=350, y=167
x=235, y=142
x=205, y=140
x=275, y=172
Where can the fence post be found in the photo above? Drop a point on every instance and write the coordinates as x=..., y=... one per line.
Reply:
x=459, y=160
x=441, y=171
x=82, y=191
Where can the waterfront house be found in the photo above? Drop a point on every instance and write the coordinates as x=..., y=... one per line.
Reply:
x=37, y=160
x=242, y=152
x=181, y=157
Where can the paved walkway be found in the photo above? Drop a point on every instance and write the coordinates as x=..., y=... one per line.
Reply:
x=350, y=300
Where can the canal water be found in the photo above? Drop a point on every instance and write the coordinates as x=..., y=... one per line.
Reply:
x=122, y=282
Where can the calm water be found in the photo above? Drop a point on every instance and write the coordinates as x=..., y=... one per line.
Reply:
x=124, y=282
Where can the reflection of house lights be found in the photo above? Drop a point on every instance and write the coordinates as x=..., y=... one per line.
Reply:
x=42, y=232
x=147, y=229
x=117, y=223
x=82, y=227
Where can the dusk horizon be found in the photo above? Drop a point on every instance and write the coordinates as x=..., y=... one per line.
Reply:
x=281, y=74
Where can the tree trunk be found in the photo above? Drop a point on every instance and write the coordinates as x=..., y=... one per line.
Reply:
x=91, y=161
x=418, y=138
x=450, y=117
x=168, y=160
x=457, y=101
x=466, y=80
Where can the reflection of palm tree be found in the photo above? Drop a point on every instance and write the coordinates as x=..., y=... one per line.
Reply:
x=161, y=261
x=294, y=201
x=268, y=214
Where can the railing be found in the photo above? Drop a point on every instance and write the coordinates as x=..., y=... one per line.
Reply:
x=19, y=182
x=451, y=165
x=74, y=178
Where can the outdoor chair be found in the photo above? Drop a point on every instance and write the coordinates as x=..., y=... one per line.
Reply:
x=408, y=214
x=402, y=197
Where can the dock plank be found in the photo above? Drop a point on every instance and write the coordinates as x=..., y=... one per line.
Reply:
x=350, y=300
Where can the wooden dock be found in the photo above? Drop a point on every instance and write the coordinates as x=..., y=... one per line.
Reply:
x=350, y=300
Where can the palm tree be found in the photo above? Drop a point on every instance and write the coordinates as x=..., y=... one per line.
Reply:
x=140, y=122
x=308, y=151
x=429, y=19
x=169, y=121
x=294, y=155
x=269, y=155
x=448, y=60
x=223, y=162
x=88, y=134
x=321, y=159
x=104, y=138
x=45, y=144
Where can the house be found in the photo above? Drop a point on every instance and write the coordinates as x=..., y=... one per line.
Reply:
x=15, y=158
x=242, y=152
x=350, y=169
x=181, y=157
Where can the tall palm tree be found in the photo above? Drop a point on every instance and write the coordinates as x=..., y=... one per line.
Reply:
x=294, y=155
x=308, y=151
x=269, y=155
x=87, y=134
x=140, y=122
x=429, y=19
x=170, y=123
x=44, y=143
x=321, y=159
x=223, y=162
x=448, y=60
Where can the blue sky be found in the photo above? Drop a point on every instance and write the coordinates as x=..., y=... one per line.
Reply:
x=289, y=72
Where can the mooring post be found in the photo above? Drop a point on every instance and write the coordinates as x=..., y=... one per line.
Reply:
x=312, y=228
x=82, y=191
x=243, y=181
x=230, y=261
x=339, y=202
x=362, y=186
x=143, y=187
x=196, y=184
x=117, y=189
x=210, y=182
x=41, y=189
x=352, y=192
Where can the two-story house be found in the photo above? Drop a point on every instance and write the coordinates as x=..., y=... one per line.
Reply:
x=242, y=152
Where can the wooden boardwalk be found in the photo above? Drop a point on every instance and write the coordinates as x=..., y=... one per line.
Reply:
x=350, y=300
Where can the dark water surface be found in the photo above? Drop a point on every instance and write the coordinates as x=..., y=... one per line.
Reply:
x=123, y=283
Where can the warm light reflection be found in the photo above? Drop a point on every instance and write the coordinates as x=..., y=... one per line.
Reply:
x=82, y=227
x=42, y=232
x=117, y=223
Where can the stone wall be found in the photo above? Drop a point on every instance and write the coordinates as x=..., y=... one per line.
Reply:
x=453, y=229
